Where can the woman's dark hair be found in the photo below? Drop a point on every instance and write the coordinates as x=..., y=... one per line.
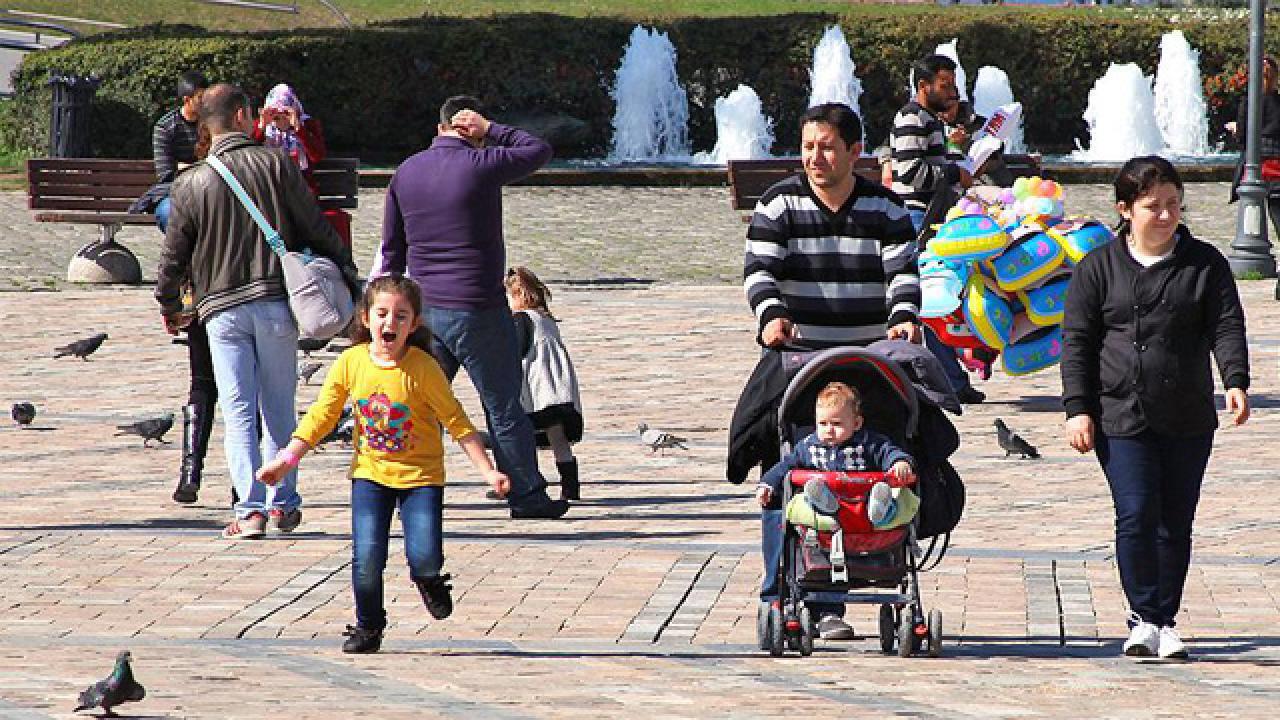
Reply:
x=1271, y=60
x=1139, y=176
x=398, y=285
x=839, y=116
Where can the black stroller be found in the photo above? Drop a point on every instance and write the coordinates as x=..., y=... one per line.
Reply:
x=849, y=555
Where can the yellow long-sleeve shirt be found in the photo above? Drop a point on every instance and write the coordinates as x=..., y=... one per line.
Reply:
x=397, y=412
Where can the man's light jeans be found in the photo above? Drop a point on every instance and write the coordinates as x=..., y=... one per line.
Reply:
x=254, y=348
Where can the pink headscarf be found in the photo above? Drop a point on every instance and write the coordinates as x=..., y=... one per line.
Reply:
x=282, y=97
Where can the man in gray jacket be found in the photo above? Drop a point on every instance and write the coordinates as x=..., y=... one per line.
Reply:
x=238, y=287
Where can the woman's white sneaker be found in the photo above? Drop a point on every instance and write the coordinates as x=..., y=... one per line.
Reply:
x=1144, y=640
x=1171, y=647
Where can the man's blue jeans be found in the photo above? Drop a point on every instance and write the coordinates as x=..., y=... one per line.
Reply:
x=820, y=604
x=254, y=348
x=945, y=353
x=1155, y=485
x=421, y=513
x=484, y=342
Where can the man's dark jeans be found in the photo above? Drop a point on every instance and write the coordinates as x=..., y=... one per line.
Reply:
x=372, y=505
x=1155, y=484
x=820, y=604
x=484, y=342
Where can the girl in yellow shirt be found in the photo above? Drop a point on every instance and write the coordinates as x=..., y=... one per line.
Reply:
x=400, y=398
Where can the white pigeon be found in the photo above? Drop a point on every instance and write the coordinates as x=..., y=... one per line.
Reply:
x=659, y=440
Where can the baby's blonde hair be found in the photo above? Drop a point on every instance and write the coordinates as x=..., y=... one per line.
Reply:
x=838, y=395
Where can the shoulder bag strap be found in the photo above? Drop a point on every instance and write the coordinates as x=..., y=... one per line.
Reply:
x=270, y=233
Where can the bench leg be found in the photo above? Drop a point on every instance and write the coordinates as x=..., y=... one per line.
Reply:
x=104, y=261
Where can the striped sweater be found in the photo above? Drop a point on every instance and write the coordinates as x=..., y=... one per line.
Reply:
x=842, y=277
x=920, y=161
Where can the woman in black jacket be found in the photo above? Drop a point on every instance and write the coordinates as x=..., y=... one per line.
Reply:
x=1142, y=316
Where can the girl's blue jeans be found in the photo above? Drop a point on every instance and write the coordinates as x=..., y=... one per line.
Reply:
x=421, y=512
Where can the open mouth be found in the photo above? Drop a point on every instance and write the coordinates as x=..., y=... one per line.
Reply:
x=388, y=336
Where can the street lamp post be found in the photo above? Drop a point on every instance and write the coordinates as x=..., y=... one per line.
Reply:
x=1251, y=250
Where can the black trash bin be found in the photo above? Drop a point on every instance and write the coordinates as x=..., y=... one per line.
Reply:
x=69, y=125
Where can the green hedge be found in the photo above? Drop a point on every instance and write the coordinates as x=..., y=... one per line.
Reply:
x=377, y=88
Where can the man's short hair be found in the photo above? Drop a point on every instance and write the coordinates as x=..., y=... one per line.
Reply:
x=927, y=67
x=218, y=106
x=837, y=115
x=190, y=83
x=837, y=395
x=457, y=104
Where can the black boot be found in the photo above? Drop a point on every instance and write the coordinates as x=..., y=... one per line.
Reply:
x=569, y=489
x=197, y=423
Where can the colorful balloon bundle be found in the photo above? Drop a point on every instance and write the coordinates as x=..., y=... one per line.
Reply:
x=995, y=275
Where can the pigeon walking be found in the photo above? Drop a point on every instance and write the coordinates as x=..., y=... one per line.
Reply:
x=23, y=413
x=118, y=688
x=82, y=348
x=148, y=430
x=310, y=345
x=307, y=370
x=1011, y=442
x=343, y=431
x=659, y=440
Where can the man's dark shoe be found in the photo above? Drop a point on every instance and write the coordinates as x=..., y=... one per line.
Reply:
x=970, y=396
x=539, y=506
x=186, y=493
x=435, y=594
x=360, y=640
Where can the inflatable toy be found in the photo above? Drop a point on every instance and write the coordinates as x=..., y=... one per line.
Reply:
x=954, y=331
x=969, y=237
x=1077, y=237
x=941, y=283
x=987, y=312
x=1037, y=351
x=1044, y=304
x=1030, y=259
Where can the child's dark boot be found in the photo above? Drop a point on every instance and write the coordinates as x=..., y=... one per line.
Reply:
x=361, y=640
x=435, y=594
x=569, y=488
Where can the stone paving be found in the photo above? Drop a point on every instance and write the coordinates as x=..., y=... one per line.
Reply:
x=641, y=602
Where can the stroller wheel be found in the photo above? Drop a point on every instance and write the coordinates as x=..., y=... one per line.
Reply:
x=777, y=632
x=935, y=632
x=906, y=634
x=762, y=624
x=806, y=633
x=887, y=628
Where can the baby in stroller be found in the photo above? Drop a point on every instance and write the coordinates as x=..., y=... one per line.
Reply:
x=840, y=442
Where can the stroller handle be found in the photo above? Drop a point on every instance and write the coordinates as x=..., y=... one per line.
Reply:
x=839, y=480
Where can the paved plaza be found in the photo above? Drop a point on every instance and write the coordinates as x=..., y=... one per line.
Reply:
x=641, y=603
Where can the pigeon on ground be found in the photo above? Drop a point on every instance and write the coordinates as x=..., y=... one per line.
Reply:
x=310, y=345
x=307, y=370
x=82, y=348
x=343, y=431
x=23, y=413
x=118, y=688
x=659, y=440
x=1011, y=442
x=148, y=430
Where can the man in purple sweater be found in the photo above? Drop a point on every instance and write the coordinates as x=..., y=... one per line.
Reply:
x=443, y=224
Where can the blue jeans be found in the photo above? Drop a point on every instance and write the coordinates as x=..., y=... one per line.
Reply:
x=421, y=514
x=947, y=358
x=1155, y=485
x=820, y=604
x=484, y=342
x=254, y=348
x=162, y=214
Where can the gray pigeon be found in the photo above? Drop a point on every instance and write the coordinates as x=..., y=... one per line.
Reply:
x=117, y=689
x=659, y=440
x=23, y=413
x=81, y=348
x=310, y=345
x=148, y=430
x=307, y=370
x=343, y=431
x=1011, y=442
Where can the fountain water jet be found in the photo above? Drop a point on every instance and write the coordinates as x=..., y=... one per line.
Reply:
x=651, y=116
x=951, y=50
x=1121, y=117
x=833, y=75
x=743, y=131
x=1180, y=109
x=991, y=89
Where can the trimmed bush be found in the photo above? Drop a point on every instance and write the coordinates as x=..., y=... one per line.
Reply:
x=377, y=89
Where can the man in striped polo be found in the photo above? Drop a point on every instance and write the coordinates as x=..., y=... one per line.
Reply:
x=921, y=167
x=830, y=261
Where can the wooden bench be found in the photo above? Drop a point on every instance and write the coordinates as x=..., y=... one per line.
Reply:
x=99, y=191
x=748, y=179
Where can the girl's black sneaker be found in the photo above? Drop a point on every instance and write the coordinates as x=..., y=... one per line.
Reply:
x=360, y=640
x=435, y=594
